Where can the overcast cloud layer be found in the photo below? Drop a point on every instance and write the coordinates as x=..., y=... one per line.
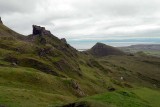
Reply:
x=85, y=19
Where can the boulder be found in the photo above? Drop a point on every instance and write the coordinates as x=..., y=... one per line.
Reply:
x=38, y=30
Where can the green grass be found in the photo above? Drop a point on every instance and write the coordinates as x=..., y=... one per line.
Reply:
x=149, y=95
x=140, y=97
x=30, y=78
x=142, y=71
x=93, y=81
x=27, y=87
x=15, y=97
x=118, y=99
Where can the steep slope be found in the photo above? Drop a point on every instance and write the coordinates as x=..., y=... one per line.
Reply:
x=44, y=52
x=100, y=49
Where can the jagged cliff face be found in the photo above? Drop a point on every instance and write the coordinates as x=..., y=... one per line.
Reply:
x=38, y=30
x=41, y=36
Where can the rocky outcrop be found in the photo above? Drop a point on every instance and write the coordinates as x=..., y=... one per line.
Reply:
x=77, y=88
x=38, y=30
x=63, y=40
x=1, y=21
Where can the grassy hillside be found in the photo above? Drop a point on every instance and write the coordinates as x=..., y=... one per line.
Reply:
x=41, y=70
x=140, y=97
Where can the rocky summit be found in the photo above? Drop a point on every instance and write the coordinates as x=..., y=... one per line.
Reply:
x=38, y=30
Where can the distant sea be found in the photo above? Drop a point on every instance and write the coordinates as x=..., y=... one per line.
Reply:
x=87, y=44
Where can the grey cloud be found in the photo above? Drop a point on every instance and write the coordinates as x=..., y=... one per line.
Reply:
x=78, y=18
x=20, y=6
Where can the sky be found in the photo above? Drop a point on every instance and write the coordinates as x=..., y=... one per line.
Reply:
x=85, y=22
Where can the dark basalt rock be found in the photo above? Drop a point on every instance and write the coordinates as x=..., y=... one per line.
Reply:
x=77, y=104
x=38, y=30
x=111, y=89
x=64, y=40
x=1, y=21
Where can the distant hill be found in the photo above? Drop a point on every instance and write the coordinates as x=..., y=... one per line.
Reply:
x=100, y=49
x=144, y=47
x=150, y=49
